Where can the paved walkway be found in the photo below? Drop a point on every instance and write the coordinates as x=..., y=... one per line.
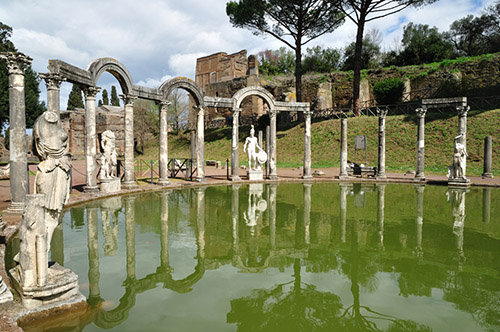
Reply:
x=219, y=176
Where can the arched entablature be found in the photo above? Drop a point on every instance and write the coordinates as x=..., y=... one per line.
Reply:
x=118, y=70
x=253, y=91
x=184, y=83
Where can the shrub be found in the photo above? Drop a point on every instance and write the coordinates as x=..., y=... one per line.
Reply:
x=389, y=91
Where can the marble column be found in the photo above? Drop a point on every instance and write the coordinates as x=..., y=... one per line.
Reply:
x=90, y=138
x=53, y=84
x=307, y=174
x=200, y=143
x=380, y=212
x=235, y=167
x=200, y=221
x=273, y=175
x=462, y=129
x=16, y=63
x=381, y=143
x=129, y=180
x=93, y=249
x=344, y=187
x=343, y=149
x=163, y=181
x=487, y=158
x=419, y=211
x=164, y=260
x=419, y=173
x=307, y=210
x=130, y=235
x=235, y=214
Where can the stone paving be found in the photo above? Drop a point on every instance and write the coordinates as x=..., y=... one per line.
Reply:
x=213, y=176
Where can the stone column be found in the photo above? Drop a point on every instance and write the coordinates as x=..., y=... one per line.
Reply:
x=235, y=214
x=130, y=235
x=344, y=187
x=200, y=144
x=381, y=143
x=419, y=209
x=487, y=158
x=486, y=204
x=129, y=180
x=163, y=181
x=53, y=84
x=200, y=221
x=273, y=175
x=343, y=149
x=307, y=174
x=164, y=260
x=235, y=146
x=462, y=128
x=16, y=63
x=93, y=249
x=307, y=210
x=380, y=212
x=419, y=173
x=90, y=138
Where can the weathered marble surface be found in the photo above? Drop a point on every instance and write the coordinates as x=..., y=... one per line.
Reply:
x=108, y=157
x=256, y=155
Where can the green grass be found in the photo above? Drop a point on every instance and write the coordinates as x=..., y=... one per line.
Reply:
x=325, y=142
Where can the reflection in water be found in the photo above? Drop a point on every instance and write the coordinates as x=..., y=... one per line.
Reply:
x=486, y=204
x=303, y=243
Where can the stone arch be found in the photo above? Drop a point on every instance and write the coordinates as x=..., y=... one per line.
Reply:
x=113, y=66
x=185, y=83
x=256, y=91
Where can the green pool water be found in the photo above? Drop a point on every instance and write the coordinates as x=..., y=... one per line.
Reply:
x=287, y=257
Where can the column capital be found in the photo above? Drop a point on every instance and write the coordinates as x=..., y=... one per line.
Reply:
x=90, y=92
x=421, y=112
x=128, y=99
x=199, y=109
x=382, y=112
x=236, y=111
x=308, y=113
x=164, y=105
x=16, y=62
x=273, y=113
x=52, y=81
x=463, y=110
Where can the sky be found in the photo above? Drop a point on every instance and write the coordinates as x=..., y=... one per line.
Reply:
x=160, y=39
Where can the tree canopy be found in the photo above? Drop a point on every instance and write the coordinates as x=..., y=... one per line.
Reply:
x=295, y=23
x=31, y=81
x=115, y=101
x=75, y=99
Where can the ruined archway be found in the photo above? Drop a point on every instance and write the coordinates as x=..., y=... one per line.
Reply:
x=115, y=68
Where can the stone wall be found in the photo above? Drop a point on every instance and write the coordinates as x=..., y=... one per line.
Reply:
x=107, y=117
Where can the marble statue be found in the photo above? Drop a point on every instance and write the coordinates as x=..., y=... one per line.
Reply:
x=255, y=158
x=53, y=173
x=108, y=157
x=457, y=170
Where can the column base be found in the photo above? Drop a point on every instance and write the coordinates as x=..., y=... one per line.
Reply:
x=458, y=182
x=344, y=176
x=163, y=182
x=235, y=178
x=200, y=179
x=487, y=176
x=129, y=185
x=273, y=177
x=307, y=177
x=91, y=189
x=420, y=178
x=381, y=177
x=15, y=208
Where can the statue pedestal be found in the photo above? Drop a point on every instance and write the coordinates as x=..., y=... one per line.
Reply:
x=458, y=182
x=110, y=185
x=255, y=175
x=61, y=288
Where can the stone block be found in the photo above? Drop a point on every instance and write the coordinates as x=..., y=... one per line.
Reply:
x=255, y=175
x=110, y=185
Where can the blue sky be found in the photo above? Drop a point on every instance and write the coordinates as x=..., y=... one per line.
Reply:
x=160, y=39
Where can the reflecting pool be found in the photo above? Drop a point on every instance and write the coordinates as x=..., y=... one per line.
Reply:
x=287, y=257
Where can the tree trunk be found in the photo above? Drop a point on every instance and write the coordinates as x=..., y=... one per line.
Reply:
x=357, y=66
x=298, y=72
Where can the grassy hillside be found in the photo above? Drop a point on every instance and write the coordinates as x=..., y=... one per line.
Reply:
x=400, y=142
